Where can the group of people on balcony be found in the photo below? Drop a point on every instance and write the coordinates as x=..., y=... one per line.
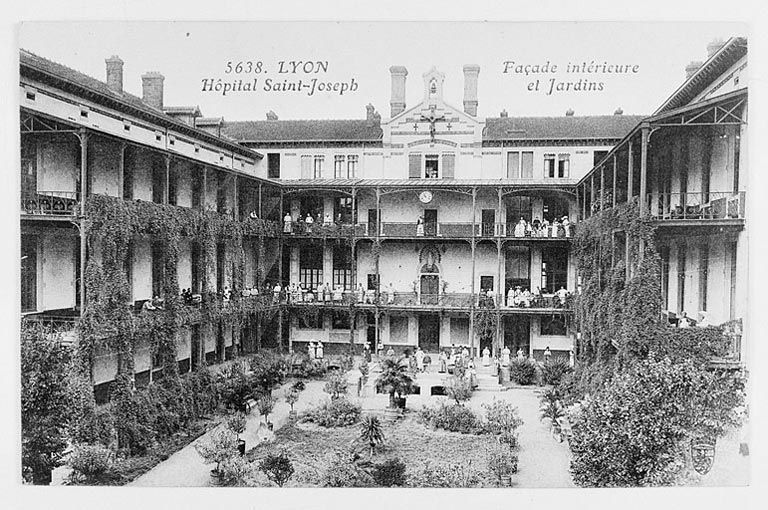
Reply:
x=683, y=321
x=559, y=227
x=305, y=224
x=524, y=298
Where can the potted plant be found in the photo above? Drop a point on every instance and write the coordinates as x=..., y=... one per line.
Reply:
x=221, y=447
x=395, y=380
x=236, y=423
x=502, y=462
x=291, y=398
x=265, y=405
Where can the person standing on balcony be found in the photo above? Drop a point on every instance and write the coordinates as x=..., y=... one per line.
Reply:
x=555, y=228
x=391, y=294
x=328, y=219
x=309, y=221
x=566, y=226
x=536, y=225
x=276, y=293
x=420, y=226
x=287, y=223
x=562, y=295
x=520, y=227
x=338, y=293
x=360, y=293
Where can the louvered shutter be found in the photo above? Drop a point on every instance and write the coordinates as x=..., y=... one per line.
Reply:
x=306, y=167
x=449, y=163
x=414, y=166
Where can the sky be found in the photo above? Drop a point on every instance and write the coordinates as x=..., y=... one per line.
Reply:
x=187, y=53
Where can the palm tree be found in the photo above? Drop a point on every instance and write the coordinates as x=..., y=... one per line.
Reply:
x=371, y=433
x=394, y=378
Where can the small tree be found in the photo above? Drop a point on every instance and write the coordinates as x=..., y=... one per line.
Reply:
x=502, y=463
x=277, y=467
x=222, y=446
x=236, y=423
x=336, y=385
x=89, y=463
x=265, y=405
x=291, y=398
x=394, y=379
x=459, y=389
x=371, y=432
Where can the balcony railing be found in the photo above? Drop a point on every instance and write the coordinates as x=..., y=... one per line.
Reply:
x=324, y=229
x=714, y=205
x=478, y=230
x=57, y=203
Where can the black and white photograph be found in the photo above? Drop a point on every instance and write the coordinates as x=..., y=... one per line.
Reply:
x=383, y=254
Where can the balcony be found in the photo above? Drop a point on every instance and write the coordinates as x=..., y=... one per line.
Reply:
x=692, y=207
x=325, y=230
x=62, y=204
x=453, y=230
x=545, y=304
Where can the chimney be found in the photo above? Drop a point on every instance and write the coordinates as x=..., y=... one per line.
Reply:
x=152, y=89
x=503, y=114
x=714, y=46
x=619, y=111
x=470, y=89
x=691, y=68
x=569, y=112
x=397, y=102
x=271, y=115
x=115, y=74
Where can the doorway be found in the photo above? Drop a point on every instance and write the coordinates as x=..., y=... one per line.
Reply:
x=430, y=222
x=517, y=334
x=429, y=332
x=430, y=285
x=373, y=220
x=488, y=221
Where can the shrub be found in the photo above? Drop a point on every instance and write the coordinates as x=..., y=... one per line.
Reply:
x=90, y=463
x=523, y=371
x=395, y=380
x=459, y=389
x=235, y=387
x=313, y=369
x=222, y=446
x=235, y=471
x=265, y=404
x=278, y=468
x=236, y=423
x=390, y=473
x=445, y=476
x=268, y=369
x=632, y=432
x=336, y=385
x=336, y=413
x=454, y=417
x=501, y=419
x=554, y=371
x=371, y=432
x=501, y=462
x=342, y=470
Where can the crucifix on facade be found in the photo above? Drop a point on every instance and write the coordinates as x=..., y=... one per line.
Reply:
x=432, y=118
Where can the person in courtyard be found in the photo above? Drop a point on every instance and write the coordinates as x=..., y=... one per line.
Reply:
x=505, y=354
x=287, y=223
x=486, y=357
x=311, y=350
x=367, y=352
x=684, y=322
x=319, y=350
x=465, y=353
x=571, y=358
x=520, y=355
x=471, y=374
x=703, y=320
x=419, y=359
x=370, y=296
x=442, y=359
x=309, y=296
x=547, y=355
x=390, y=352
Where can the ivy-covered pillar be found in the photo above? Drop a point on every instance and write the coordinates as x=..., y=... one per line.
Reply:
x=82, y=135
x=614, y=180
x=630, y=171
x=644, y=132
x=602, y=187
x=592, y=193
x=167, y=180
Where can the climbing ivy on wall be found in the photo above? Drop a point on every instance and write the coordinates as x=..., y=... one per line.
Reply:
x=110, y=225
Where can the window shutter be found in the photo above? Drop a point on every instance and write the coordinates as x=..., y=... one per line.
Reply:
x=414, y=166
x=449, y=162
x=306, y=167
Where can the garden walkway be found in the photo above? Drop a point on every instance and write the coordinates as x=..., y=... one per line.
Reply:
x=186, y=468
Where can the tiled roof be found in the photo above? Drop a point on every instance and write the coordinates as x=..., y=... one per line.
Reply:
x=560, y=128
x=271, y=131
x=64, y=76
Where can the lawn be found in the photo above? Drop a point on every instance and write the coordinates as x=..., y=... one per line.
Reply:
x=308, y=447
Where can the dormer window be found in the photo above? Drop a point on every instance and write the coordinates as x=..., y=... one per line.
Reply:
x=127, y=125
x=433, y=87
x=197, y=149
x=158, y=136
x=84, y=112
x=171, y=140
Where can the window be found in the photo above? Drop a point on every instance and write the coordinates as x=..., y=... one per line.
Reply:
x=30, y=94
x=352, y=166
x=310, y=320
x=518, y=266
x=171, y=140
x=519, y=207
x=158, y=270
x=342, y=268
x=318, y=167
x=526, y=167
x=549, y=165
x=555, y=207
x=553, y=326
x=158, y=136
x=513, y=165
x=563, y=165
x=343, y=210
x=84, y=112
x=126, y=125
x=554, y=270
x=311, y=267
x=273, y=165
x=431, y=166
x=338, y=167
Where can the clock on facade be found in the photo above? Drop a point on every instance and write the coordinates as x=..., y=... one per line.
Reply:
x=425, y=196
